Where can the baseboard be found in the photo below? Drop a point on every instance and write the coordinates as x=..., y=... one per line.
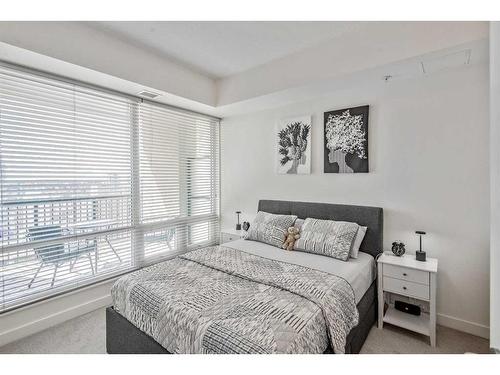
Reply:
x=53, y=319
x=463, y=325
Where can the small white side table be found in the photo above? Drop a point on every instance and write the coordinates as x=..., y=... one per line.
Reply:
x=405, y=276
x=227, y=235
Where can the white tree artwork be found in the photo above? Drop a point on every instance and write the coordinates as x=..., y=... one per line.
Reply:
x=294, y=145
x=346, y=141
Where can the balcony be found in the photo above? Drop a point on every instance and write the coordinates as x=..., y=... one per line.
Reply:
x=55, y=244
x=51, y=245
x=19, y=269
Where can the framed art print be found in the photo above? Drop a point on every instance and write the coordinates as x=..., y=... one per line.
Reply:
x=294, y=145
x=346, y=140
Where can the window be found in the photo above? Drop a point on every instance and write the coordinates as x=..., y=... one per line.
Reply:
x=95, y=183
x=178, y=184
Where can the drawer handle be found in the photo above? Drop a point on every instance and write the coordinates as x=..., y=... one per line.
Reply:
x=404, y=288
x=404, y=274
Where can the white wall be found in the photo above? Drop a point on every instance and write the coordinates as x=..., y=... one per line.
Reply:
x=429, y=162
x=495, y=184
x=77, y=43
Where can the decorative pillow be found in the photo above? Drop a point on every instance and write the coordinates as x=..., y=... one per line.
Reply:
x=327, y=237
x=270, y=228
x=357, y=241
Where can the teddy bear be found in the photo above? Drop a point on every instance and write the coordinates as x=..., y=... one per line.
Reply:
x=292, y=236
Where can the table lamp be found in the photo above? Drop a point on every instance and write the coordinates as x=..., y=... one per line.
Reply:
x=420, y=254
x=238, y=225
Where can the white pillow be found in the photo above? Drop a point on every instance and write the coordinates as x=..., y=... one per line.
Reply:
x=357, y=241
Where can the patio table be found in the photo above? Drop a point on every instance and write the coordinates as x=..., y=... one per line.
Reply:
x=91, y=226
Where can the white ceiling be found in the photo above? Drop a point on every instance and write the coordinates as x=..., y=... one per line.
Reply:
x=360, y=56
x=220, y=49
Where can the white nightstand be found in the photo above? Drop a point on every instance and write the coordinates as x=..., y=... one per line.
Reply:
x=416, y=282
x=227, y=235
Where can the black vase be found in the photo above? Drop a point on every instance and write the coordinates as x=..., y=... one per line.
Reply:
x=246, y=226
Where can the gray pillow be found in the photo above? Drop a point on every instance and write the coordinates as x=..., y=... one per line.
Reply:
x=327, y=237
x=270, y=228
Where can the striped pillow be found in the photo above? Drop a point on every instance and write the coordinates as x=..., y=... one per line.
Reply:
x=270, y=228
x=327, y=237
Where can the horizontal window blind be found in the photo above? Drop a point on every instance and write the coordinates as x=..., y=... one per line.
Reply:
x=178, y=172
x=95, y=183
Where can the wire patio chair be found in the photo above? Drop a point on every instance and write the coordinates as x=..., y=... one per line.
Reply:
x=57, y=254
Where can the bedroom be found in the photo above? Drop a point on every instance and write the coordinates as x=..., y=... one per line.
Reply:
x=264, y=186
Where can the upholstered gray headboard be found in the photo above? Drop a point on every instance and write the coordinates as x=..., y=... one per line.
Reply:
x=371, y=217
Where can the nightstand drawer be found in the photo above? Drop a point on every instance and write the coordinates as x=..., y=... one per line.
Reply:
x=406, y=288
x=407, y=274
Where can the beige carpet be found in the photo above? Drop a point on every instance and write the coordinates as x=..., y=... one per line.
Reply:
x=86, y=334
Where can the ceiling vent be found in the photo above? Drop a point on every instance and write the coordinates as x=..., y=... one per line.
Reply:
x=148, y=94
x=451, y=60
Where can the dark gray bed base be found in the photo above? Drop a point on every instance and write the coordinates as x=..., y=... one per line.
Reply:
x=122, y=337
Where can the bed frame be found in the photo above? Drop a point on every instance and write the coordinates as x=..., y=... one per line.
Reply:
x=122, y=337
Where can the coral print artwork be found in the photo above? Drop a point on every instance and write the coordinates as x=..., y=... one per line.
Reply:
x=294, y=145
x=346, y=141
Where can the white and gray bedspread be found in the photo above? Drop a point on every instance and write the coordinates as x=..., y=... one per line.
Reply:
x=223, y=300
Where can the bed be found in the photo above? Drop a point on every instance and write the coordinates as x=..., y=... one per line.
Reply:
x=303, y=323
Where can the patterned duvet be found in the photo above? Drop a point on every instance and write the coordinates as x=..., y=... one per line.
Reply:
x=223, y=300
